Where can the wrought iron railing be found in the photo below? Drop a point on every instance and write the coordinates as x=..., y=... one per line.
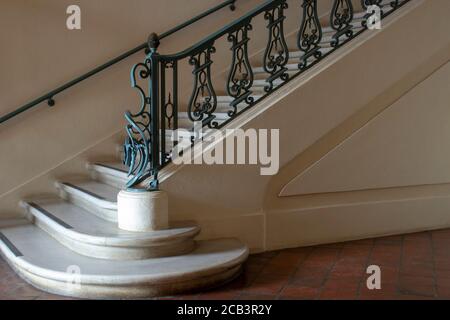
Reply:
x=146, y=150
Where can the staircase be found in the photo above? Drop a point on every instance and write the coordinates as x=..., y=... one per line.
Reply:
x=70, y=243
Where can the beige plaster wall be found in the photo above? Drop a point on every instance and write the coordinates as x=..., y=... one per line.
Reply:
x=315, y=113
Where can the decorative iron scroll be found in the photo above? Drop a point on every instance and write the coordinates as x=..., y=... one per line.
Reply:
x=203, y=101
x=310, y=34
x=240, y=79
x=169, y=104
x=276, y=55
x=138, y=144
x=340, y=20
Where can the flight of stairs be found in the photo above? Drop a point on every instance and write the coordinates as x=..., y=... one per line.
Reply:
x=260, y=76
x=70, y=243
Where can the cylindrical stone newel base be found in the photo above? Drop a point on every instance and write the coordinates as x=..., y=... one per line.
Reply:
x=143, y=211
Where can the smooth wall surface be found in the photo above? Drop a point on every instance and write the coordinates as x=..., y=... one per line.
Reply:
x=325, y=107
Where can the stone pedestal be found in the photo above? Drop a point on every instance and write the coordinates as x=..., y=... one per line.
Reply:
x=142, y=211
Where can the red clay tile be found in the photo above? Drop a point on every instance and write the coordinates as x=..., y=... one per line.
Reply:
x=267, y=284
x=341, y=289
x=292, y=292
x=284, y=263
x=443, y=282
x=273, y=269
x=389, y=240
x=417, y=285
x=366, y=242
x=375, y=295
x=322, y=258
x=443, y=292
x=246, y=296
x=218, y=295
x=310, y=276
x=442, y=273
x=412, y=297
x=421, y=269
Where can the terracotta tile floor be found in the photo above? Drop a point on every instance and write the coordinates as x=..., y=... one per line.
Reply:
x=414, y=266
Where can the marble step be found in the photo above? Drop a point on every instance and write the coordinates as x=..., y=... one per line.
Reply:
x=292, y=66
x=114, y=174
x=46, y=264
x=94, y=196
x=89, y=235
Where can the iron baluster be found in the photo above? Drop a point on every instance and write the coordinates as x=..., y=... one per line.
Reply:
x=240, y=78
x=340, y=20
x=203, y=101
x=310, y=34
x=169, y=111
x=276, y=55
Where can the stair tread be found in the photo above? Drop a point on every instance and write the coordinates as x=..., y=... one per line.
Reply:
x=116, y=166
x=43, y=254
x=94, y=188
x=95, y=229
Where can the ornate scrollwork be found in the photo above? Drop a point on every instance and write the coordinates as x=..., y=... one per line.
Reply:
x=310, y=34
x=240, y=79
x=168, y=102
x=169, y=111
x=276, y=55
x=138, y=144
x=203, y=101
x=340, y=19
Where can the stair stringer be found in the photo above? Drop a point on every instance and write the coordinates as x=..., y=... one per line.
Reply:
x=236, y=200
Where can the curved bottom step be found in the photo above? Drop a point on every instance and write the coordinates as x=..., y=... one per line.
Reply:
x=49, y=266
x=91, y=236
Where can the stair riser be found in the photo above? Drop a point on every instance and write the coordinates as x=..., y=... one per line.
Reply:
x=117, y=180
